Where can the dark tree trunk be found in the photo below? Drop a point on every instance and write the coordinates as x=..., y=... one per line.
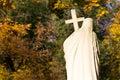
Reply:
x=9, y=64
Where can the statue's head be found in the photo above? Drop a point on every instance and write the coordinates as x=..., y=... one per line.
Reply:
x=88, y=24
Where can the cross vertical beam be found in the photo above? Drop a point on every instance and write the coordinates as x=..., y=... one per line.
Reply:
x=74, y=20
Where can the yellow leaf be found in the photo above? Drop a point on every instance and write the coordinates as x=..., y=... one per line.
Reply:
x=95, y=1
x=13, y=6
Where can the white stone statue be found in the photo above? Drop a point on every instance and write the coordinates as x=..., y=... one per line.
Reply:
x=81, y=51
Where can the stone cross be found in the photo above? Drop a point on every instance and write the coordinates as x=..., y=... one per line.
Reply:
x=74, y=20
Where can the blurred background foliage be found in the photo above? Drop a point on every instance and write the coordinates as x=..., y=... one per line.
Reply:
x=33, y=32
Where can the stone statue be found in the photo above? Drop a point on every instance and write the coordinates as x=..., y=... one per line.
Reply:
x=81, y=51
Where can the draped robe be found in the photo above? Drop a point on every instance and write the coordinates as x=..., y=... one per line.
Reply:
x=81, y=53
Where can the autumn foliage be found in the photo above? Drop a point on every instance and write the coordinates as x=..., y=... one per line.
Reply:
x=111, y=47
x=32, y=33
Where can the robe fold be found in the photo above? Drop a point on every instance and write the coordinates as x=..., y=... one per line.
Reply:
x=81, y=53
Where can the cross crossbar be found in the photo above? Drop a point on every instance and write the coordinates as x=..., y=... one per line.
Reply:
x=74, y=20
